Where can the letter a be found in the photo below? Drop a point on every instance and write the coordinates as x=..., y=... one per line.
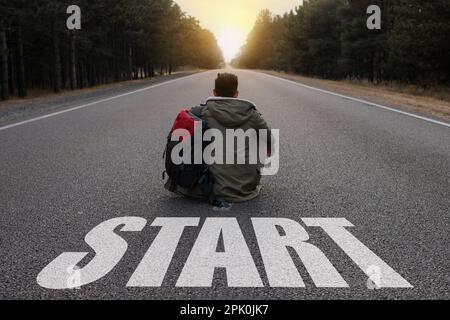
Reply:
x=74, y=21
x=374, y=21
x=236, y=258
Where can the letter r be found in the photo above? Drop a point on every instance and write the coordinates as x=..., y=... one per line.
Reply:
x=281, y=270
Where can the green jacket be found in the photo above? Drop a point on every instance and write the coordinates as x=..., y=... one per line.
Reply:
x=233, y=182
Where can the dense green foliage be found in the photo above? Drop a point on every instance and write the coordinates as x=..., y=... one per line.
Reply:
x=119, y=40
x=330, y=39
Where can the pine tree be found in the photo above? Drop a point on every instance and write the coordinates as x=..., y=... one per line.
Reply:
x=119, y=40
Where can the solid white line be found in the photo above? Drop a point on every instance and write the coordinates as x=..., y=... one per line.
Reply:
x=92, y=103
x=359, y=100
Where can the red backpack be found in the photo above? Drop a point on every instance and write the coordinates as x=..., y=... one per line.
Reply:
x=190, y=175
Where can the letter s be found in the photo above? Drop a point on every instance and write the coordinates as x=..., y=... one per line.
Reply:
x=109, y=249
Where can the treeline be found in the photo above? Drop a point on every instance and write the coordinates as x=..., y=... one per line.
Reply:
x=119, y=40
x=330, y=39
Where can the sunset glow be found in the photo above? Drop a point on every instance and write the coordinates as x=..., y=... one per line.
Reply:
x=230, y=40
x=232, y=20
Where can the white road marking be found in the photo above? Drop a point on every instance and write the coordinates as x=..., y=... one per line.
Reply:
x=236, y=258
x=358, y=252
x=182, y=78
x=281, y=270
x=273, y=236
x=109, y=249
x=356, y=100
x=92, y=103
x=153, y=267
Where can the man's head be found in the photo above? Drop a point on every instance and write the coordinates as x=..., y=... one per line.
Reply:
x=226, y=85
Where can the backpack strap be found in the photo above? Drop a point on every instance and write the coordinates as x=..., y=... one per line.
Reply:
x=173, y=185
x=207, y=185
x=207, y=181
x=198, y=111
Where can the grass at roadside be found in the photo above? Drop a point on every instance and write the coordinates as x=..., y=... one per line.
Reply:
x=37, y=94
x=433, y=102
x=16, y=110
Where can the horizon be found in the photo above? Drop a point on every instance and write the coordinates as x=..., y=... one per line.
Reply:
x=235, y=21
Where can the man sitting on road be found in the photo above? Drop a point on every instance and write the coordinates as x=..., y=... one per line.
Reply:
x=232, y=182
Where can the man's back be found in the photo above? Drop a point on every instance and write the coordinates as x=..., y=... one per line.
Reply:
x=235, y=182
x=236, y=170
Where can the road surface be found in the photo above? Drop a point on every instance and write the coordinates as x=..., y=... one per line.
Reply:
x=388, y=174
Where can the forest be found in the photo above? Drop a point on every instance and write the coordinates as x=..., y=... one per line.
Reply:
x=330, y=39
x=119, y=40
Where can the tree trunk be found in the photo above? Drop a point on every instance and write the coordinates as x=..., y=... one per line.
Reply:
x=73, y=62
x=93, y=81
x=80, y=76
x=4, y=68
x=372, y=68
x=152, y=70
x=57, y=61
x=130, y=63
x=21, y=64
x=12, y=70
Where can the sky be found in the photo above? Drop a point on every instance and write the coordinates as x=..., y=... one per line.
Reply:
x=232, y=20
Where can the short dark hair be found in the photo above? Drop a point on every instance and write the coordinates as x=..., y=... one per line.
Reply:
x=226, y=85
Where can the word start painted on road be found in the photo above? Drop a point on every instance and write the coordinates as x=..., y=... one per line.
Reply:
x=274, y=236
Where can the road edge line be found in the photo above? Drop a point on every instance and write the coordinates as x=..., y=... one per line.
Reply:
x=53, y=114
x=373, y=104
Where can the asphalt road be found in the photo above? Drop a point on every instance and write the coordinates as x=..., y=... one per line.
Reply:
x=386, y=173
